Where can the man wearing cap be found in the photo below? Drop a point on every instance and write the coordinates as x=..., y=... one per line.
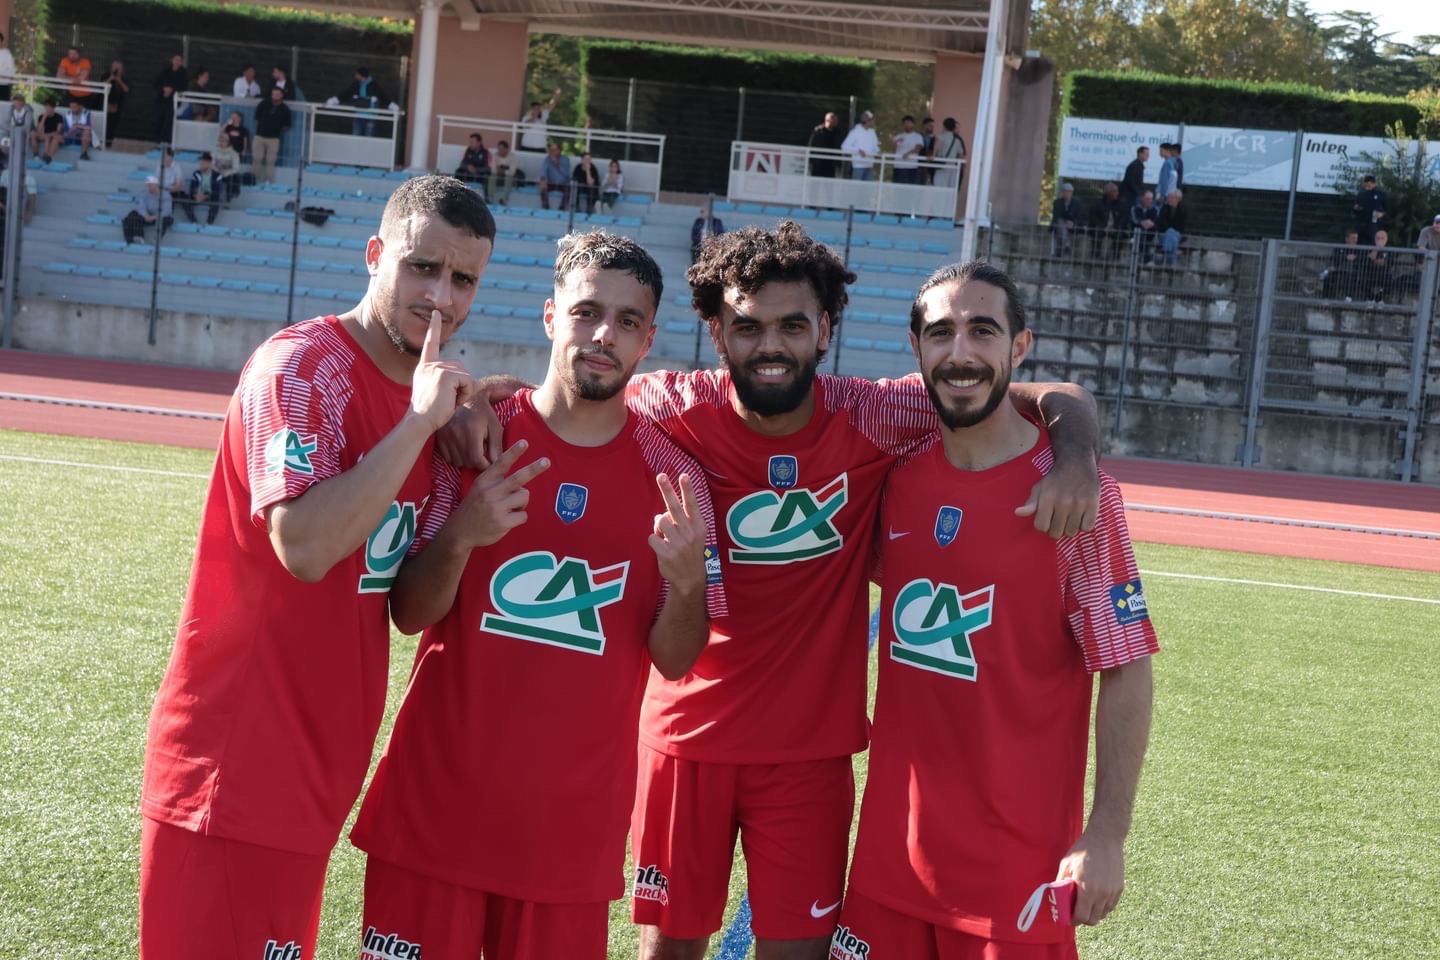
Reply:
x=1430, y=236
x=151, y=206
x=1370, y=204
x=1064, y=214
x=863, y=146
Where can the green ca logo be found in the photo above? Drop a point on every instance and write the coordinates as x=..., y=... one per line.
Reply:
x=934, y=623
x=551, y=601
x=388, y=544
x=798, y=524
x=287, y=450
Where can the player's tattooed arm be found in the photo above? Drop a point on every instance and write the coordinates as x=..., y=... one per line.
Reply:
x=679, y=633
x=472, y=439
x=1122, y=728
x=424, y=589
x=1067, y=499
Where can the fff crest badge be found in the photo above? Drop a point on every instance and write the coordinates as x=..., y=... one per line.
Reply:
x=947, y=524
x=570, y=502
x=784, y=472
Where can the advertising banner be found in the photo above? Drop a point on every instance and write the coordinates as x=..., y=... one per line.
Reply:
x=1242, y=159
x=1330, y=163
x=1102, y=149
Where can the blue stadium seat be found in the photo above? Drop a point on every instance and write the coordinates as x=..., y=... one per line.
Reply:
x=628, y=221
x=319, y=167
x=214, y=230
x=254, y=260
x=861, y=216
x=885, y=219
x=724, y=206
x=940, y=223
x=193, y=253
x=59, y=266
x=498, y=310
x=223, y=256
x=352, y=243
x=866, y=290
x=372, y=173
x=863, y=316
x=84, y=243
x=895, y=293
x=879, y=243
x=536, y=237
x=186, y=228
x=232, y=283
x=488, y=283
x=775, y=210
x=102, y=220
x=894, y=320
x=601, y=219
x=892, y=346
x=325, y=293
x=909, y=246
x=641, y=199
x=544, y=289
x=506, y=235
x=332, y=243
x=942, y=249
x=543, y=214
x=524, y=260
x=514, y=286
x=175, y=279
x=802, y=213
x=913, y=222
x=679, y=326
x=752, y=208
x=858, y=343
x=265, y=286
x=208, y=283
x=116, y=273
x=832, y=215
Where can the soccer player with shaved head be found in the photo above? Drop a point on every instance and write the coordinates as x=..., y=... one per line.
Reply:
x=973, y=841
x=264, y=723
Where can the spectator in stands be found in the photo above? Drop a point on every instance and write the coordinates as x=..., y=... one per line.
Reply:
x=75, y=69
x=1175, y=154
x=48, y=134
x=502, y=174
x=173, y=78
x=863, y=146
x=1064, y=214
x=1369, y=208
x=1172, y=225
x=1168, y=178
x=172, y=177
x=280, y=79
x=908, y=145
x=227, y=169
x=7, y=68
x=587, y=184
x=533, y=130
x=700, y=229
x=555, y=176
x=475, y=163
x=1376, y=269
x=1430, y=236
x=1342, y=278
x=238, y=134
x=1145, y=217
x=1109, y=221
x=152, y=206
x=206, y=190
x=927, y=151
x=78, y=127
x=272, y=119
x=115, y=105
x=364, y=92
x=203, y=112
x=827, y=136
x=17, y=123
x=613, y=186
x=1133, y=183
x=949, y=145
x=246, y=85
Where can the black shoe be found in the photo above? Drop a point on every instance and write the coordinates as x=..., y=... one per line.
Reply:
x=85, y=155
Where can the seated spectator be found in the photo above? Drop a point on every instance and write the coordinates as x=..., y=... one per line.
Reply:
x=172, y=177
x=1375, y=283
x=475, y=164
x=198, y=111
x=587, y=184
x=152, y=206
x=699, y=230
x=1341, y=279
x=245, y=85
x=502, y=174
x=1064, y=214
x=238, y=134
x=363, y=92
x=1110, y=221
x=48, y=134
x=555, y=176
x=227, y=168
x=1430, y=236
x=78, y=129
x=206, y=190
x=1145, y=217
x=16, y=124
x=614, y=185
x=1172, y=225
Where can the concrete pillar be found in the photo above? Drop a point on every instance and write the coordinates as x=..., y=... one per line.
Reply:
x=427, y=35
x=1020, y=140
x=957, y=94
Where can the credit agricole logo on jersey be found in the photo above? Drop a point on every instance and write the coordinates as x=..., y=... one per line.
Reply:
x=934, y=623
x=782, y=526
x=387, y=546
x=553, y=601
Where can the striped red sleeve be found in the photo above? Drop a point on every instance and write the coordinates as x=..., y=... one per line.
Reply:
x=895, y=415
x=448, y=486
x=293, y=395
x=1101, y=590
x=662, y=456
x=666, y=394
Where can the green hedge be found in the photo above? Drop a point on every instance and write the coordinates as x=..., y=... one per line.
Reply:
x=1155, y=98
x=704, y=66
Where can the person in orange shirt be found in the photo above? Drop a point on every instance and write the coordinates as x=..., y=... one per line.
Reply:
x=76, y=69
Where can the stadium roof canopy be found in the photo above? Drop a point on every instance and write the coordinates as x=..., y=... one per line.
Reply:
x=905, y=29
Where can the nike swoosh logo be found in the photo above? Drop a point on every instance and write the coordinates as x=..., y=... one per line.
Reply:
x=817, y=913
x=897, y=536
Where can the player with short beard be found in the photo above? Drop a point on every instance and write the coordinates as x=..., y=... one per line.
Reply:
x=990, y=635
x=265, y=720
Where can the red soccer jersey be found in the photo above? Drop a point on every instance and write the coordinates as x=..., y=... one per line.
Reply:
x=989, y=634
x=783, y=677
x=265, y=721
x=511, y=768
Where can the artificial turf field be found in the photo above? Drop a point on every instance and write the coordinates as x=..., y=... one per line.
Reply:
x=1290, y=805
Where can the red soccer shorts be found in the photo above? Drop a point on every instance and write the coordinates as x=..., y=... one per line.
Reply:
x=406, y=911
x=224, y=899
x=872, y=931
x=793, y=820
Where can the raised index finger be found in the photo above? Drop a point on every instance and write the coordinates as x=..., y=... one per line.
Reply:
x=430, y=349
x=667, y=491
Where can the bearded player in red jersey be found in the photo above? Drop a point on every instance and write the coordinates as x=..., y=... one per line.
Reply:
x=496, y=821
x=264, y=723
x=990, y=636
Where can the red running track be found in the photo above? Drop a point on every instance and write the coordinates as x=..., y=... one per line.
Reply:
x=1150, y=486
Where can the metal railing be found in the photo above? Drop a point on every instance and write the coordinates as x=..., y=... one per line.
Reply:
x=641, y=155
x=353, y=136
x=812, y=177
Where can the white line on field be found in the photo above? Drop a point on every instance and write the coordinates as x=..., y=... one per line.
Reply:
x=1288, y=586
x=105, y=466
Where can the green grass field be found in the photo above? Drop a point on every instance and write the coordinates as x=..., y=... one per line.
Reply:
x=1288, y=808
